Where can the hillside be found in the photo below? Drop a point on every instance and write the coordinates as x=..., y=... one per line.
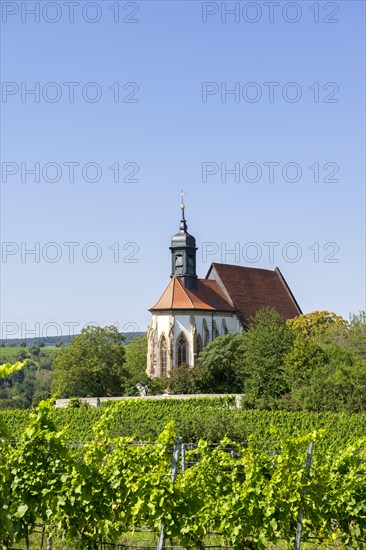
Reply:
x=52, y=341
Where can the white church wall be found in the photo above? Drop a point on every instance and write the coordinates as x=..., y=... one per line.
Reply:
x=183, y=322
x=232, y=323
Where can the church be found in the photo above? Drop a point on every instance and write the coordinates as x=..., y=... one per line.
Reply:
x=192, y=312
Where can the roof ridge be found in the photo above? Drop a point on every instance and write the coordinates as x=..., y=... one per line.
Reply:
x=241, y=267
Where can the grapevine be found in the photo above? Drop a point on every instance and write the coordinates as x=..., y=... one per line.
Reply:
x=109, y=485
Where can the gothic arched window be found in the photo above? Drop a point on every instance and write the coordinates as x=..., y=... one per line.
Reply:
x=206, y=333
x=224, y=327
x=182, y=350
x=163, y=357
x=215, y=330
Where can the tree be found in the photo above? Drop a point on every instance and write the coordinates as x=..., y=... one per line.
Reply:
x=136, y=357
x=42, y=386
x=92, y=365
x=218, y=366
x=264, y=347
x=302, y=366
x=35, y=350
x=324, y=378
x=188, y=380
x=305, y=357
x=318, y=324
x=356, y=340
x=22, y=354
x=342, y=382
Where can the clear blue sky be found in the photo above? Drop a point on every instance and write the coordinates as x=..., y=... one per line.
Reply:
x=169, y=132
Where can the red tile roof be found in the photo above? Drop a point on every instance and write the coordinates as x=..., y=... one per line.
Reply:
x=249, y=289
x=207, y=296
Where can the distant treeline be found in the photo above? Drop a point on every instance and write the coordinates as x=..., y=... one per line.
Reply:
x=53, y=340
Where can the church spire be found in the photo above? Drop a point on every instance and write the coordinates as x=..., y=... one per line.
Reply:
x=183, y=223
x=183, y=248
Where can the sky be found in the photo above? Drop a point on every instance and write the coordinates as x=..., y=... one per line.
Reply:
x=255, y=109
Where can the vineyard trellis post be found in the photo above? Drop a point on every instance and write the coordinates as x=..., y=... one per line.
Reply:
x=301, y=513
x=183, y=458
x=173, y=475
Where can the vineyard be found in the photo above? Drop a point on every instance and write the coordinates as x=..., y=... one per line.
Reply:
x=202, y=418
x=95, y=491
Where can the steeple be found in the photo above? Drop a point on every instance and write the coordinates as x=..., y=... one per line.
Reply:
x=183, y=247
x=183, y=223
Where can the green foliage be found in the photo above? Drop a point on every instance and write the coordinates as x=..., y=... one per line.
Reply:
x=29, y=386
x=35, y=466
x=356, y=334
x=301, y=365
x=342, y=381
x=92, y=365
x=318, y=324
x=324, y=378
x=302, y=360
x=218, y=366
x=8, y=368
x=136, y=353
x=264, y=347
x=251, y=494
x=184, y=380
x=207, y=418
x=315, y=362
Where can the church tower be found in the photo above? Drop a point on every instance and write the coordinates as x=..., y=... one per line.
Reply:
x=183, y=248
x=190, y=313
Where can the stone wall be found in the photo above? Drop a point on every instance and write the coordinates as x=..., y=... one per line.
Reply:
x=96, y=401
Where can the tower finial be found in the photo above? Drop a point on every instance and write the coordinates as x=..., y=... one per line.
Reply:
x=183, y=222
x=182, y=205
